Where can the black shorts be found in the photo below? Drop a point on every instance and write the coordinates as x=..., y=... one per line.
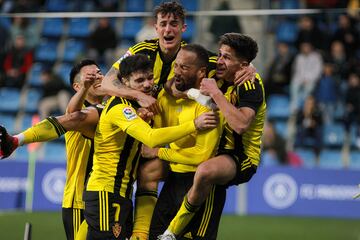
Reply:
x=108, y=215
x=204, y=224
x=72, y=219
x=244, y=168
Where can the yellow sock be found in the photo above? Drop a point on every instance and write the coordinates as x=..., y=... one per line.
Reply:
x=145, y=202
x=82, y=232
x=183, y=217
x=46, y=130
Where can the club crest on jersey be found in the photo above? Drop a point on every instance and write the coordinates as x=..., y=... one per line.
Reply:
x=116, y=229
x=129, y=113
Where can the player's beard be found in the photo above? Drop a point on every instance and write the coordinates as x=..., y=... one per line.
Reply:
x=182, y=85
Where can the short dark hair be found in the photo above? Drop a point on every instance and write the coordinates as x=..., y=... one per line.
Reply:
x=77, y=68
x=170, y=7
x=201, y=53
x=137, y=62
x=245, y=47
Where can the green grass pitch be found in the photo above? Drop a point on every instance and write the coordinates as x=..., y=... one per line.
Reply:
x=49, y=226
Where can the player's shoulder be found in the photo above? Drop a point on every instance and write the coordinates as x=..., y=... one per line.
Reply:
x=117, y=102
x=151, y=44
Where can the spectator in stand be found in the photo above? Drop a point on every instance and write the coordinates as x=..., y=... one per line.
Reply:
x=337, y=56
x=307, y=69
x=352, y=106
x=310, y=126
x=347, y=34
x=147, y=31
x=274, y=145
x=55, y=94
x=22, y=26
x=309, y=32
x=220, y=25
x=279, y=72
x=18, y=61
x=102, y=42
x=4, y=45
x=107, y=5
x=326, y=93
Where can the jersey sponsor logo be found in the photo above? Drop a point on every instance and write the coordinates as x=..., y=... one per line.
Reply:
x=53, y=185
x=280, y=191
x=129, y=113
x=116, y=229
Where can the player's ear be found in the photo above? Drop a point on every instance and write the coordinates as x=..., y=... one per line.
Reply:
x=202, y=73
x=184, y=27
x=76, y=86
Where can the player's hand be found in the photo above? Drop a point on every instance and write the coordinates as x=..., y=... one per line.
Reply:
x=148, y=152
x=89, y=79
x=209, y=87
x=206, y=121
x=145, y=114
x=245, y=74
x=148, y=102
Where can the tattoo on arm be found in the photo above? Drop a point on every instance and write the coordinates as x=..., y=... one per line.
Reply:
x=117, y=83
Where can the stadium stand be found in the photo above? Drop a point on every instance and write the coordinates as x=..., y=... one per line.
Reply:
x=53, y=27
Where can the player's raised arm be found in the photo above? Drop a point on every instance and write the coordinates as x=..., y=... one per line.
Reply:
x=112, y=86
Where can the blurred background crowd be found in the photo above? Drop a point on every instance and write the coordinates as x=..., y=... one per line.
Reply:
x=309, y=64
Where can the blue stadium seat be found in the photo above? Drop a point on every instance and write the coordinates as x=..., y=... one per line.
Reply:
x=286, y=32
x=190, y=30
x=268, y=160
x=53, y=27
x=46, y=51
x=64, y=72
x=157, y=2
x=26, y=121
x=308, y=157
x=331, y=159
x=278, y=107
x=190, y=5
x=32, y=100
x=135, y=6
x=5, y=22
x=56, y=5
x=55, y=152
x=281, y=128
x=289, y=4
x=21, y=154
x=79, y=27
x=10, y=100
x=34, y=75
x=334, y=135
x=131, y=27
x=73, y=49
x=353, y=136
x=8, y=121
x=354, y=160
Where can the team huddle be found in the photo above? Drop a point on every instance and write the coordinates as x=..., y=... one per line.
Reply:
x=139, y=123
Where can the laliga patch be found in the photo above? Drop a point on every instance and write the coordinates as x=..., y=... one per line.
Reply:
x=129, y=113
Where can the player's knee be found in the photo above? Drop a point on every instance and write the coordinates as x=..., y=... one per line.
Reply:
x=205, y=174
